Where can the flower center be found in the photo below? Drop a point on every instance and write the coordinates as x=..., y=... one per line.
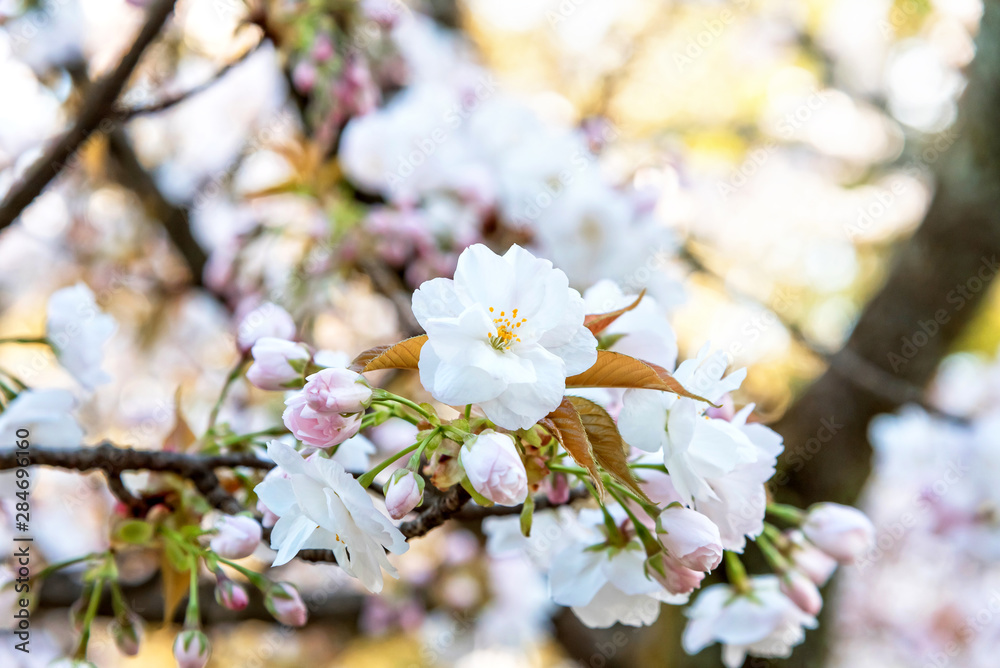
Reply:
x=506, y=326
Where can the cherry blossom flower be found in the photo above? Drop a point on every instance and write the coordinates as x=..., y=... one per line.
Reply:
x=337, y=391
x=403, y=493
x=231, y=595
x=285, y=604
x=809, y=559
x=844, y=533
x=607, y=586
x=78, y=330
x=192, y=649
x=504, y=334
x=319, y=505
x=320, y=430
x=237, y=537
x=495, y=468
x=643, y=332
x=802, y=591
x=762, y=622
x=691, y=538
x=740, y=499
x=278, y=364
x=45, y=413
x=267, y=320
x=694, y=449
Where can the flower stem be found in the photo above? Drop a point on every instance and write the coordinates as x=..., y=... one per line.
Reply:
x=88, y=619
x=736, y=573
x=366, y=479
x=191, y=620
x=52, y=568
x=576, y=470
x=255, y=578
x=384, y=396
x=468, y=411
x=786, y=513
x=652, y=467
x=27, y=339
x=236, y=439
x=771, y=553
x=235, y=373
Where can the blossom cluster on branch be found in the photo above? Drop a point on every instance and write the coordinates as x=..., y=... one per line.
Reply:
x=535, y=396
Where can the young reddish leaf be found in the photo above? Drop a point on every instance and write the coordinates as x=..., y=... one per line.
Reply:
x=402, y=355
x=180, y=437
x=618, y=370
x=598, y=322
x=607, y=445
x=565, y=424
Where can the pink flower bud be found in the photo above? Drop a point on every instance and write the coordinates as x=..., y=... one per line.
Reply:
x=495, y=468
x=277, y=364
x=725, y=411
x=802, y=591
x=230, y=595
x=673, y=576
x=267, y=320
x=691, y=538
x=806, y=557
x=192, y=649
x=320, y=430
x=304, y=76
x=322, y=49
x=237, y=536
x=403, y=493
x=558, y=489
x=843, y=532
x=126, y=631
x=337, y=391
x=285, y=604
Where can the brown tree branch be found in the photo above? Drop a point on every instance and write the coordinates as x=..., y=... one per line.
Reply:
x=95, y=113
x=850, y=366
x=128, y=113
x=174, y=219
x=388, y=284
x=62, y=590
x=938, y=279
x=199, y=469
x=112, y=459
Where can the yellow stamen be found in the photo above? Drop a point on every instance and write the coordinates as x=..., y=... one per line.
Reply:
x=505, y=337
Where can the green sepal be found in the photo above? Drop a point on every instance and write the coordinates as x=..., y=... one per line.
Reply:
x=527, y=513
x=476, y=496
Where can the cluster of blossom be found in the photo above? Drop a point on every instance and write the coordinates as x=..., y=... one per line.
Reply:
x=927, y=593
x=555, y=390
x=459, y=161
x=504, y=338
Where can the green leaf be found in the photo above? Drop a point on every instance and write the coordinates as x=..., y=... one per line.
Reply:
x=135, y=532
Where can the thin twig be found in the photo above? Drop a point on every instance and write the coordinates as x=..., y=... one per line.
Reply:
x=170, y=101
x=388, y=284
x=846, y=363
x=137, y=507
x=96, y=111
